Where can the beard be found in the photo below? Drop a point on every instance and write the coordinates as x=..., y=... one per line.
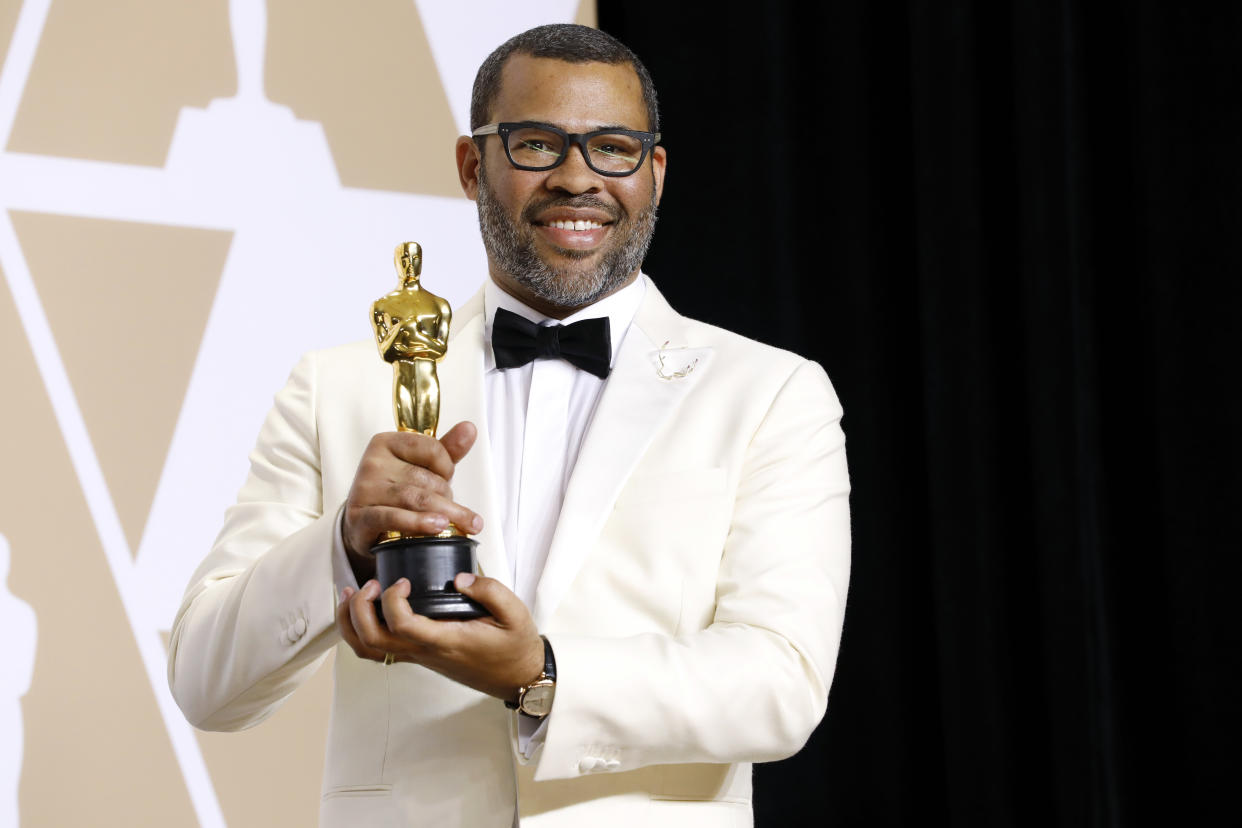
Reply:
x=572, y=285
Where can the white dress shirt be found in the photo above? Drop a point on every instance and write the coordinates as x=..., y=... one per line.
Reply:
x=536, y=417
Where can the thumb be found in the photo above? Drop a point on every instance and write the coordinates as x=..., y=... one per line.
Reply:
x=505, y=607
x=458, y=440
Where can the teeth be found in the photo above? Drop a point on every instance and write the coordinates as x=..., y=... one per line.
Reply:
x=575, y=225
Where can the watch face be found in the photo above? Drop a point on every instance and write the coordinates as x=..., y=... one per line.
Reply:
x=537, y=700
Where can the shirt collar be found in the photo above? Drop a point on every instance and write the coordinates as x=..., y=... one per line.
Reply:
x=619, y=307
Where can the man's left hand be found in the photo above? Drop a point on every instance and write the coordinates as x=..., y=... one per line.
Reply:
x=496, y=655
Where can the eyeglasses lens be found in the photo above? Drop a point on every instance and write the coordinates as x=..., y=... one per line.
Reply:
x=540, y=149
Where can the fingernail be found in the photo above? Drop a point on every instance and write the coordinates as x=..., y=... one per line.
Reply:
x=464, y=579
x=402, y=582
x=347, y=593
x=476, y=524
x=371, y=588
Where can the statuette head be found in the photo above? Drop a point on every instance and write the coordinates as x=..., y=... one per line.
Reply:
x=408, y=258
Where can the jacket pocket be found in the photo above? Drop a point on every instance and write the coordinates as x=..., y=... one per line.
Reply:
x=358, y=790
x=667, y=811
x=369, y=805
x=705, y=783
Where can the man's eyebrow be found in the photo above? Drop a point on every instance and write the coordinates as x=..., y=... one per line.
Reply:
x=596, y=128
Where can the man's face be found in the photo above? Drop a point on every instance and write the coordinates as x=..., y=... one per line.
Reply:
x=557, y=269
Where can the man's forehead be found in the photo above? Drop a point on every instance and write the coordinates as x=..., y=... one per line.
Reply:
x=583, y=95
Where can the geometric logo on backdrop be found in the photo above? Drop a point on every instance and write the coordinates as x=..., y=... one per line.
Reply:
x=320, y=54
x=88, y=714
x=129, y=341
x=8, y=19
x=110, y=79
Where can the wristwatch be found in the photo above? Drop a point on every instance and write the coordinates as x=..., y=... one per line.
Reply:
x=535, y=699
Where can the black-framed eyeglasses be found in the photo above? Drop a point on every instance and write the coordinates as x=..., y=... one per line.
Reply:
x=534, y=146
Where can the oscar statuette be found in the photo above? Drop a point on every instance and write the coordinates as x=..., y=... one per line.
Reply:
x=411, y=328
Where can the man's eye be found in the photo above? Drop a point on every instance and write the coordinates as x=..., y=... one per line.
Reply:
x=613, y=151
x=536, y=145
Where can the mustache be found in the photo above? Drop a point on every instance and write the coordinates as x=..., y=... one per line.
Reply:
x=584, y=201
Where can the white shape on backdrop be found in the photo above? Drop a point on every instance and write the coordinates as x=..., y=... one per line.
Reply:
x=460, y=42
x=303, y=246
x=17, y=620
x=324, y=252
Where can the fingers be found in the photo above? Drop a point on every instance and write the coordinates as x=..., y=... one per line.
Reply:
x=506, y=608
x=494, y=655
x=374, y=639
x=402, y=621
x=405, y=484
x=364, y=525
x=458, y=440
x=403, y=633
x=434, y=504
x=521, y=658
x=439, y=456
x=366, y=623
x=402, y=485
x=345, y=625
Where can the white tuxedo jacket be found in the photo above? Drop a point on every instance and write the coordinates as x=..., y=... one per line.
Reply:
x=693, y=594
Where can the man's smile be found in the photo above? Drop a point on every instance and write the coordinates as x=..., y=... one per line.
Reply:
x=574, y=225
x=573, y=228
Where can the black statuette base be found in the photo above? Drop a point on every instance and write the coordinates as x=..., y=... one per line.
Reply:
x=430, y=565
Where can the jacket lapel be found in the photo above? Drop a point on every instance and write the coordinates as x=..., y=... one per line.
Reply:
x=462, y=398
x=635, y=403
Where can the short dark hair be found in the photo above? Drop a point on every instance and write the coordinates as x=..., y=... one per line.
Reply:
x=561, y=41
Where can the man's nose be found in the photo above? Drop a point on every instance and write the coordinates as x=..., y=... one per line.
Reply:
x=573, y=176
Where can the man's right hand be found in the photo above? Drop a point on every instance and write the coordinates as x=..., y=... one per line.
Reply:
x=402, y=485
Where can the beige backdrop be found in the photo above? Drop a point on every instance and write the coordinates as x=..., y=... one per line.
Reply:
x=191, y=194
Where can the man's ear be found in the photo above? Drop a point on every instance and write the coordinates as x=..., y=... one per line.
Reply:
x=659, y=158
x=468, y=160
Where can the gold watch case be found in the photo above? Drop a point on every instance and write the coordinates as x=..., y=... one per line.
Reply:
x=536, y=698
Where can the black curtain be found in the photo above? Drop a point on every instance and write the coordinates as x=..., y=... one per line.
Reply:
x=1012, y=234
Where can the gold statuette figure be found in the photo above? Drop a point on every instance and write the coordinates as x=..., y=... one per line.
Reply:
x=411, y=328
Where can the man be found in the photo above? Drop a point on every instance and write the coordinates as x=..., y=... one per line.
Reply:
x=674, y=523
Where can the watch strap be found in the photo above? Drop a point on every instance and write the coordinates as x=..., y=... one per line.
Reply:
x=549, y=672
x=549, y=660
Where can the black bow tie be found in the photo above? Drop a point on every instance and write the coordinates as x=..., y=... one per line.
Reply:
x=586, y=344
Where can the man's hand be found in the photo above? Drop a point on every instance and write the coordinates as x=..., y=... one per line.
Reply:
x=402, y=485
x=496, y=655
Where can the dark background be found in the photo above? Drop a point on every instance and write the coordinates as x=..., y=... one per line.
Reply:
x=1012, y=234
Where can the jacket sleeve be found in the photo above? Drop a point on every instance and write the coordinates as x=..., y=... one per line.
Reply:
x=258, y=616
x=753, y=684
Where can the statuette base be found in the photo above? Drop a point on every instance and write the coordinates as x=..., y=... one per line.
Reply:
x=430, y=564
